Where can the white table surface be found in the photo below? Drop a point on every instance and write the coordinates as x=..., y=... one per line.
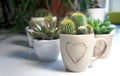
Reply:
x=18, y=59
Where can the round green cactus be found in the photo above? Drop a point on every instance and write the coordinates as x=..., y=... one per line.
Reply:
x=79, y=19
x=90, y=29
x=82, y=30
x=67, y=26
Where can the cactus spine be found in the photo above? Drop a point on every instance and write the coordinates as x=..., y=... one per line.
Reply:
x=67, y=26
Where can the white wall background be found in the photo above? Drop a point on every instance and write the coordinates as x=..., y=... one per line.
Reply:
x=114, y=5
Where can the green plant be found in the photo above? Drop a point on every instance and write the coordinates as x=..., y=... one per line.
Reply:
x=100, y=27
x=79, y=19
x=84, y=5
x=77, y=26
x=68, y=26
x=17, y=13
x=47, y=30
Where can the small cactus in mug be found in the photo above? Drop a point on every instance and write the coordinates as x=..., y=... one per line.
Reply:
x=90, y=29
x=82, y=30
x=76, y=24
x=79, y=19
x=67, y=26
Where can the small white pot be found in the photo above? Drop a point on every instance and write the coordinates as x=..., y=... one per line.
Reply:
x=36, y=19
x=97, y=13
x=30, y=39
x=47, y=50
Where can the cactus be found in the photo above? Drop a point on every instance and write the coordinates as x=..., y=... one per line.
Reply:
x=82, y=30
x=67, y=26
x=76, y=25
x=79, y=19
x=90, y=29
x=48, y=18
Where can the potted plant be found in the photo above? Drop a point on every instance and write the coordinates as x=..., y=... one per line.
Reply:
x=77, y=43
x=104, y=30
x=46, y=39
x=39, y=18
x=96, y=10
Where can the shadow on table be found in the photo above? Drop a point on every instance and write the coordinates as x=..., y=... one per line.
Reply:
x=30, y=55
x=21, y=43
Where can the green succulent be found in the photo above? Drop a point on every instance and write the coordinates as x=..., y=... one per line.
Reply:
x=45, y=31
x=100, y=27
x=67, y=26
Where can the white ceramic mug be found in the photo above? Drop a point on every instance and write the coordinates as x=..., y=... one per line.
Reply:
x=77, y=51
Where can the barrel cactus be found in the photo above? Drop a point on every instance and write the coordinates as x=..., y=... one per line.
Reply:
x=76, y=24
x=67, y=26
x=82, y=30
x=79, y=19
x=90, y=29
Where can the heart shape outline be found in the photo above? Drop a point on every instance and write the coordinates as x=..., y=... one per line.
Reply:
x=78, y=59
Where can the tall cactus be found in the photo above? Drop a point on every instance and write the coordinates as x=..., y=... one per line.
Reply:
x=79, y=19
x=67, y=26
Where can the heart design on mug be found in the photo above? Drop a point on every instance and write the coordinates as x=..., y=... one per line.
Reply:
x=76, y=51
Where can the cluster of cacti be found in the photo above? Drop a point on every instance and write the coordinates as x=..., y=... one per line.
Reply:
x=76, y=24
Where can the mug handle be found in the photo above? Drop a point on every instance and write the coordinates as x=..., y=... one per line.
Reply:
x=103, y=51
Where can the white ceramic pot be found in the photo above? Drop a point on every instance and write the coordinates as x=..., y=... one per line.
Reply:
x=77, y=51
x=30, y=38
x=99, y=46
x=47, y=50
x=37, y=19
x=97, y=13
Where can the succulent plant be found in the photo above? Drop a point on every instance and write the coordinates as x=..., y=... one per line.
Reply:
x=45, y=31
x=67, y=26
x=79, y=19
x=100, y=27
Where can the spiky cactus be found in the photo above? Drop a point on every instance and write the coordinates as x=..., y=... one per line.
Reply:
x=79, y=19
x=76, y=25
x=90, y=29
x=82, y=30
x=67, y=26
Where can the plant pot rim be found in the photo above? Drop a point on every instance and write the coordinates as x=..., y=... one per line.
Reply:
x=45, y=40
x=97, y=8
x=77, y=34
